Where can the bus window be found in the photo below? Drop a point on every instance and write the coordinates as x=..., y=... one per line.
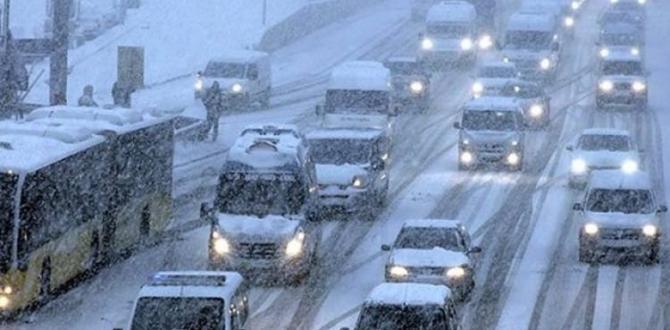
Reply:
x=8, y=190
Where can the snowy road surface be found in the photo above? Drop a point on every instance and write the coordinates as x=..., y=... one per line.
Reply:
x=529, y=276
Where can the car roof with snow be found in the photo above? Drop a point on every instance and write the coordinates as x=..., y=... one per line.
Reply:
x=239, y=56
x=605, y=131
x=621, y=54
x=206, y=284
x=360, y=75
x=29, y=146
x=98, y=120
x=344, y=133
x=266, y=151
x=432, y=223
x=616, y=179
x=531, y=21
x=492, y=103
x=451, y=11
x=414, y=294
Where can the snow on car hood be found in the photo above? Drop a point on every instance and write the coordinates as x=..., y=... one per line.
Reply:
x=226, y=84
x=339, y=174
x=270, y=228
x=435, y=257
x=482, y=137
x=608, y=159
x=621, y=220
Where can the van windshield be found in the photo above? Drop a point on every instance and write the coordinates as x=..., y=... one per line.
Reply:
x=168, y=313
x=619, y=39
x=8, y=187
x=604, y=142
x=448, y=30
x=391, y=317
x=528, y=39
x=627, y=201
x=225, y=70
x=260, y=194
x=357, y=102
x=341, y=151
x=626, y=68
x=489, y=120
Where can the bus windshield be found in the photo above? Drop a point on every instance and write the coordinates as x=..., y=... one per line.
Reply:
x=8, y=183
x=357, y=101
x=260, y=194
x=167, y=313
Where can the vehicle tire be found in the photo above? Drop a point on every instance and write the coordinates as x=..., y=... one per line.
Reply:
x=45, y=282
x=586, y=255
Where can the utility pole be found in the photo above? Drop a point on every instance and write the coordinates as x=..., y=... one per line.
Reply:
x=58, y=68
x=265, y=11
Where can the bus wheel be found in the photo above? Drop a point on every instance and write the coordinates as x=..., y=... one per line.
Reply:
x=45, y=281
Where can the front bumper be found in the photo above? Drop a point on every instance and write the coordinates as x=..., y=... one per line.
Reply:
x=629, y=241
x=279, y=266
x=621, y=98
x=480, y=158
x=461, y=286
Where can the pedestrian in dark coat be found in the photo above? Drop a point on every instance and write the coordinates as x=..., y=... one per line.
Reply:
x=213, y=102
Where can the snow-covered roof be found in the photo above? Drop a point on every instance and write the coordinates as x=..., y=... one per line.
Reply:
x=360, y=75
x=343, y=133
x=209, y=284
x=435, y=257
x=417, y=294
x=531, y=22
x=621, y=54
x=28, y=146
x=239, y=56
x=451, y=11
x=616, y=179
x=266, y=151
x=432, y=223
x=605, y=131
x=118, y=120
x=495, y=103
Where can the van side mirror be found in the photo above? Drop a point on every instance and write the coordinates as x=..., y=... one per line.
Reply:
x=570, y=148
x=457, y=125
x=253, y=75
x=386, y=247
x=578, y=207
x=319, y=110
x=206, y=212
x=378, y=164
x=475, y=250
x=662, y=209
x=199, y=73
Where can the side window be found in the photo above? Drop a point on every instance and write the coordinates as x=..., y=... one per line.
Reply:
x=252, y=71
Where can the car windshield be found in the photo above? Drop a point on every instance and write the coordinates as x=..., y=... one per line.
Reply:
x=604, y=142
x=8, y=187
x=528, y=39
x=168, y=313
x=626, y=68
x=489, y=120
x=225, y=70
x=497, y=72
x=260, y=194
x=428, y=238
x=619, y=39
x=448, y=30
x=405, y=68
x=620, y=201
x=522, y=91
x=382, y=317
x=341, y=151
x=357, y=101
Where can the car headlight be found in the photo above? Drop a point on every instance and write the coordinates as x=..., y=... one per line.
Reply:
x=294, y=247
x=485, y=42
x=629, y=166
x=649, y=230
x=536, y=110
x=513, y=158
x=642, y=2
x=569, y=21
x=578, y=166
x=477, y=88
x=506, y=59
x=199, y=84
x=4, y=302
x=416, y=87
x=466, y=44
x=604, y=52
x=221, y=245
x=236, y=88
x=639, y=86
x=427, y=44
x=591, y=229
x=398, y=271
x=466, y=157
x=545, y=64
x=455, y=272
x=635, y=51
x=575, y=5
x=358, y=182
x=614, y=1
x=606, y=86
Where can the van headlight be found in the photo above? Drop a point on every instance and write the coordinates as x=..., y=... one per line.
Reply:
x=466, y=44
x=629, y=166
x=236, y=88
x=467, y=157
x=591, y=229
x=455, y=272
x=536, y=110
x=4, y=302
x=635, y=51
x=649, y=230
x=477, y=88
x=199, y=84
x=606, y=86
x=575, y=5
x=294, y=246
x=639, y=86
x=427, y=44
x=578, y=166
x=221, y=245
x=604, y=52
x=545, y=64
x=642, y=2
x=569, y=21
x=416, y=87
x=359, y=182
x=513, y=158
x=485, y=42
x=398, y=271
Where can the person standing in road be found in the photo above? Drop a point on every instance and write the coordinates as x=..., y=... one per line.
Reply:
x=86, y=99
x=213, y=102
